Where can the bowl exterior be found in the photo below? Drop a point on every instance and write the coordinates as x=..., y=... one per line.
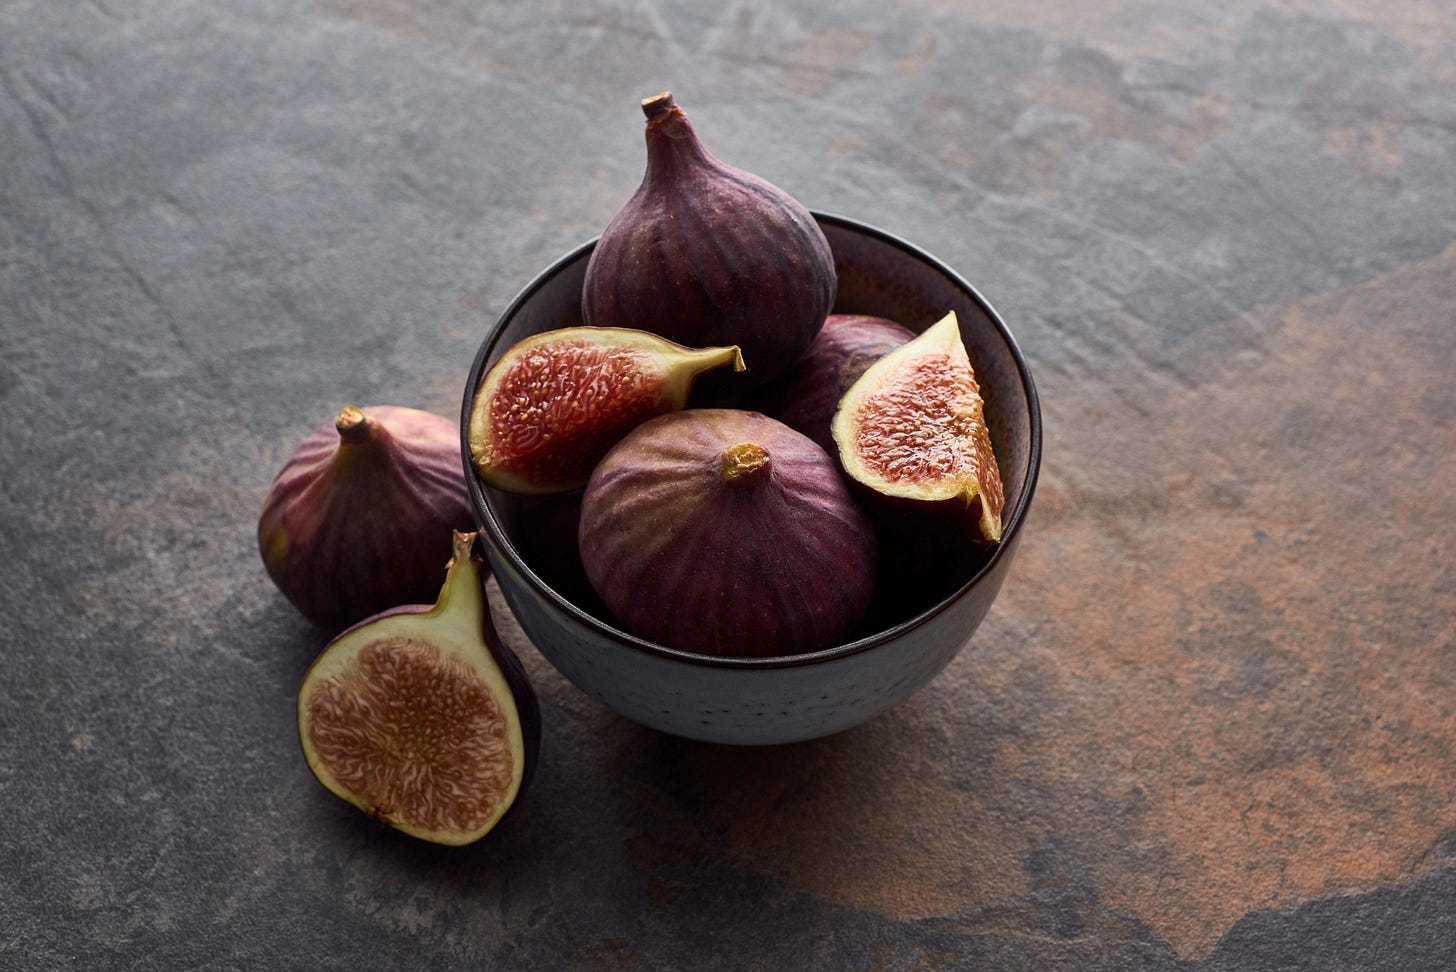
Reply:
x=744, y=705
x=765, y=701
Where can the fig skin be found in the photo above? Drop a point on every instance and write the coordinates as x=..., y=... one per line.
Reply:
x=359, y=518
x=459, y=630
x=724, y=532
x=706, y=254
x=913, y=440
x=805, y=399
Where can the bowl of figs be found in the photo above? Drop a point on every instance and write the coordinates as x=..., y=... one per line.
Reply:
x=747, y=473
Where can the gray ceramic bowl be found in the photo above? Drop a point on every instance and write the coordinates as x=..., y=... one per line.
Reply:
x=772, y=700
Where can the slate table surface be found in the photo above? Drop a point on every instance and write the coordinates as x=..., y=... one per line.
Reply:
x=1209, y=723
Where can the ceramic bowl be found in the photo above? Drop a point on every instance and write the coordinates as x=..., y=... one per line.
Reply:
x=790, y=698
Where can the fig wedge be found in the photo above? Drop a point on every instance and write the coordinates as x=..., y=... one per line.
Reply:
x=553, y=405
x=422, y=717
x=912, y=432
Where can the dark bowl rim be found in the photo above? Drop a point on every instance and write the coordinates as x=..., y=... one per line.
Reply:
x=1010, y=528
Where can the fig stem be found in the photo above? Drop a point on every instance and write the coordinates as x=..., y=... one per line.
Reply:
x=665, y=118
x=461, y=545
x=742, y=462
x=353, y=425
x=658, y=104
x=463, y=579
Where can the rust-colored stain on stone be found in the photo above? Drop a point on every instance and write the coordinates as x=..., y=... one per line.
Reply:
x=1190, y=701
x=1211, y=715
x=1189, y=722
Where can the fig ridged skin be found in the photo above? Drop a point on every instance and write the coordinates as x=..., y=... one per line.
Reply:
x=422, y=717
x=805, y=399
x=358, y=519
x=706, y=254
x=724, y=532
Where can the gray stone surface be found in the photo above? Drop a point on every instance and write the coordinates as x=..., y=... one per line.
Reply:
x=1207, y=726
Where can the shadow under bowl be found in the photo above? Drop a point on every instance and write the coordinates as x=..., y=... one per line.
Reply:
x=915, y=630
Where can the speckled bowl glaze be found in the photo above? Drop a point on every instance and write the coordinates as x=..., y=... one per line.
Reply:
x=759, y=701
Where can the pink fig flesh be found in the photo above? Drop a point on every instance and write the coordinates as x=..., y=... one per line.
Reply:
x=556, y=402
x=421, y=717
x=912, y=431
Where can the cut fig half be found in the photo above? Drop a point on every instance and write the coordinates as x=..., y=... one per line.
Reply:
x=553, y=405
x=912, y=431
x=422, y=717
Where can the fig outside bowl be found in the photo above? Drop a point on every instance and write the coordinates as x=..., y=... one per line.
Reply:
x=757, y=701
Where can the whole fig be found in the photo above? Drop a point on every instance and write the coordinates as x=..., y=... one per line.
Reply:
x=805, y=399
x=359, y=519
x=724, y=532
x=708, y=255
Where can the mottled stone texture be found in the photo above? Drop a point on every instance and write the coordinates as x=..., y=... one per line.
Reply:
x=1208, y=725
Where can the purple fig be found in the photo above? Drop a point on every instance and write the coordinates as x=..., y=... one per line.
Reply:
x=806, y=397
x=359, y=518
x=705, y=255
x=724, y=532
x=557, y=401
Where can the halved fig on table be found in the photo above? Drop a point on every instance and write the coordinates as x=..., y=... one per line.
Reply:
x=422, y=717
x=912, y=432
x=553, y=405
